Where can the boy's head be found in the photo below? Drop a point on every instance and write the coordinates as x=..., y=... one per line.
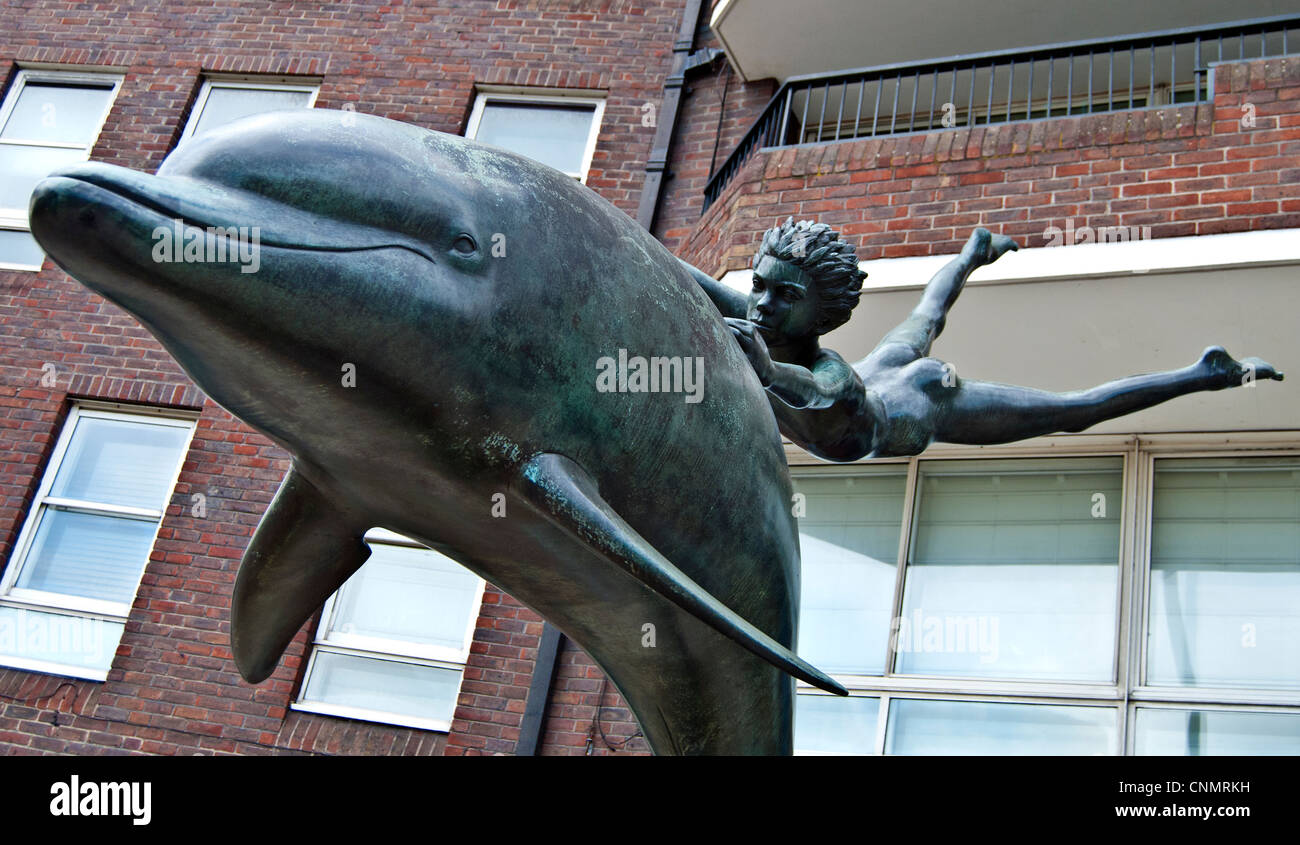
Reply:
x=806, y=280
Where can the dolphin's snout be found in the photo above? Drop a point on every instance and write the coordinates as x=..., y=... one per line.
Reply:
x=154, y=201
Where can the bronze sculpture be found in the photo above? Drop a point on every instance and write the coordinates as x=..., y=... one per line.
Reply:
x=475, y=376
x=898, y=400
x=476, y=295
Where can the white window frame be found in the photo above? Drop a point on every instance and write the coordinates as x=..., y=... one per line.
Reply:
x=1130, y=747
x=541, y=97
x=16, y=219
x=42, y=601
x=328, y=641
x=242, y=83
x=1198, y=695
x=1126, y=693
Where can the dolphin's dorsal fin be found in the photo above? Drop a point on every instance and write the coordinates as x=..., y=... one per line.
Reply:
x=563, y=492
x=304, y=549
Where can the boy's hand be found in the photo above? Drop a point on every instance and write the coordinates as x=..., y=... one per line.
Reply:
x=754, y=347
x=984, y=247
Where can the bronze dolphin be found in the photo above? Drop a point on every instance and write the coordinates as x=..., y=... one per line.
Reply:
x=478, y=299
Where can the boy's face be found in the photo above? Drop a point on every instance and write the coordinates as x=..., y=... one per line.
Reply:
x=783, y=303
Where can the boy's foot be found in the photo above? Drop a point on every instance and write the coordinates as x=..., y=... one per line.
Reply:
x=984, y=247
x=1225, y=371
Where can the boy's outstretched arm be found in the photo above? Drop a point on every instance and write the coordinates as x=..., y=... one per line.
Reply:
x=796, y=386
x=927, y=319
x=983, y=247
x=732, y=303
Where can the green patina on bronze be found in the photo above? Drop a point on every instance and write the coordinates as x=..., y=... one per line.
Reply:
x=473, y=292
x=431, y=330
x=898, y=400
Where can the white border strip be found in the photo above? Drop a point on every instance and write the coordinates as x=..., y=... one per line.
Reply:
x=1088, y=261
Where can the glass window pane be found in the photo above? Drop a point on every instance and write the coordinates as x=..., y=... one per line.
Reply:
x=22, y=167
x=120, y=463
x=831, y=724
x=75, y=641
x=552, y=134
x=57, y=113
x=386, y=686
x=1216, y=732
x=1014, y=570
x=413, y=595
x=1225, y=573
x=225, y=105
x=81, y=554
x=19, y=247
x=979, y=728
x=849, y=547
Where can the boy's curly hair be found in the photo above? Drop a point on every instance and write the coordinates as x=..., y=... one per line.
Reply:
x=831, y=263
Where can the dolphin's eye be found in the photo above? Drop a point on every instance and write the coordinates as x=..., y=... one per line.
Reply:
x=464, y=245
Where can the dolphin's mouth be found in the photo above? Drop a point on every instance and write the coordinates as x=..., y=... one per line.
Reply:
x=207, y=205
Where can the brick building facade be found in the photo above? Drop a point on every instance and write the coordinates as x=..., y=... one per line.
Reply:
x=1184, y=170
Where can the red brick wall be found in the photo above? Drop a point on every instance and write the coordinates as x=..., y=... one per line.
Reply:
x=703, y=125
x=1185, y=170
x=495, y=689
x=586, y=715
x=173, y=687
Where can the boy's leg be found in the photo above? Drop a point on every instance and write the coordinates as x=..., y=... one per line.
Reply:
x=983, y=413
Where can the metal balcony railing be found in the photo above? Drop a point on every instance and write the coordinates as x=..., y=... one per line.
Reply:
x=1084, y=77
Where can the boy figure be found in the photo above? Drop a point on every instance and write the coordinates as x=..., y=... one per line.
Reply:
x=898, y=400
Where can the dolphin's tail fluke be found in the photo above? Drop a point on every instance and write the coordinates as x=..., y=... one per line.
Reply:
x=564, y=493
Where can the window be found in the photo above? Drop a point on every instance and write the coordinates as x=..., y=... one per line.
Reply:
x=558, y=130
x=1019, y=563
x=223, y=101
x=825, y=724
x=937, y=727
x=49, y=120
x=393, y=641
x=1145, y=601
x=849, y=542
x=1219, y=731
x=1224, y=607
x=75, y=569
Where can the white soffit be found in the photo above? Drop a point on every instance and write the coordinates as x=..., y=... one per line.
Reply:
x=1084, y=261
x=778, y=38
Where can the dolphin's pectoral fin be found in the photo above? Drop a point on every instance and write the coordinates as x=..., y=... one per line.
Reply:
x=304, y=549
x=562, y=491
